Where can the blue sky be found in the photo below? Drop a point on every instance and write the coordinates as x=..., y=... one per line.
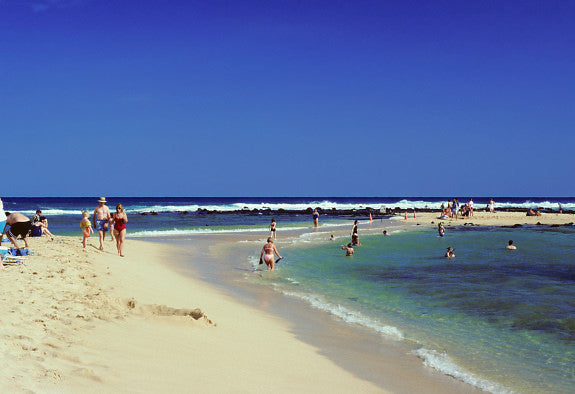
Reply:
x=287, y=98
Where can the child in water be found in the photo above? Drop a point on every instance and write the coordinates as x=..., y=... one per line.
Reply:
x=449, y=254
x=86, y=227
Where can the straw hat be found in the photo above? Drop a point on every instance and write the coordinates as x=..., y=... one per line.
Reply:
x=102, y=199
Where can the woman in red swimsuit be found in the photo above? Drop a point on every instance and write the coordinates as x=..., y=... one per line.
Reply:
x=120, y=219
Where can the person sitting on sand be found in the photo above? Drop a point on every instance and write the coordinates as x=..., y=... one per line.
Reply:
x=86, y=227
x=20, y=225
x=533, y=212
x=268, y=253
x=510, y=245
x=348, y=249
x=44, y=227
x=449, y=254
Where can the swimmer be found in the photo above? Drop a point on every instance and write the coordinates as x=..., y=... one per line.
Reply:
x=348, y=249
x=268, y=253
x=449, y=254
x=385, y=233
x=331, y=237
x=510, y=245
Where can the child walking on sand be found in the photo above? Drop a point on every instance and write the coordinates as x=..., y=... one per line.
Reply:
x=86, y=227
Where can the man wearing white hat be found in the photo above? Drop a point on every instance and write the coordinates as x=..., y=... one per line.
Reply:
x=101, y=219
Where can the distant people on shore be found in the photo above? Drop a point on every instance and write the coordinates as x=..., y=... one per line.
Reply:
x=354, y=234
x=348, y=249
x=86, y=227
x=273, y=228
x=101, y=220
x=491, y=205
x=440, y=229
x=315, y=217
x=454, y=208
x=470, y=205
x=449, y=254
x=560, y=208
x=120, y=219
x=532, y=212
x=510, y=245
x=20, y=225
x=268, y=254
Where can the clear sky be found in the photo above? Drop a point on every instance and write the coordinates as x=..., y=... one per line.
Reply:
x=287, y=98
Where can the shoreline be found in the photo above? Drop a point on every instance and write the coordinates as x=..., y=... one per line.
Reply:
x=75, y=317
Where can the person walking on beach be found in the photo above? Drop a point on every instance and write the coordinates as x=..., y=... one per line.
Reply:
x=273, y=228
x=120, y=220
x=20, y=225
x=315, y=217
x=354, y=235
x=268, y=254
x=101, y=219
x=86, y=227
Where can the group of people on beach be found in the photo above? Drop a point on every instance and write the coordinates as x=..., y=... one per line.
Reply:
x=15, y=225
x=102, y=222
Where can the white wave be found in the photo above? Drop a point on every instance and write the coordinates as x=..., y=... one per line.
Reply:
x=179, y=232
x=442, y=363
x=347, y=315
x=56, y=212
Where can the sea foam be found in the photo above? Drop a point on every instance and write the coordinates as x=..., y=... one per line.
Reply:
x=442, y=363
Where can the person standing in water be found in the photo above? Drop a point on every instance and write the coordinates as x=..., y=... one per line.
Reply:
x=510, y=245
x=273, y=228
x=268, y=253
x=354, y=235
x=441, y=230
x=315, y=217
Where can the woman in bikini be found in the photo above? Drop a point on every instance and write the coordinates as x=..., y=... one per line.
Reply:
x=120, y=219
x=268, y=253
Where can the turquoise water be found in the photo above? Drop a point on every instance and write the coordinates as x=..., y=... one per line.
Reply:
x=498, y=319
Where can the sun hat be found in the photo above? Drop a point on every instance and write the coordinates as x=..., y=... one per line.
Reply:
x=102, y=199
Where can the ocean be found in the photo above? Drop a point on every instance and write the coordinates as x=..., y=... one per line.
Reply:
x=500, y=320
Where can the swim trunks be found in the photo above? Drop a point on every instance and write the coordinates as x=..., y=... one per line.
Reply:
x=100, y=225
x=20, y=228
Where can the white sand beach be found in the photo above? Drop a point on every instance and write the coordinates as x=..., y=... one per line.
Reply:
x=84, y=320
